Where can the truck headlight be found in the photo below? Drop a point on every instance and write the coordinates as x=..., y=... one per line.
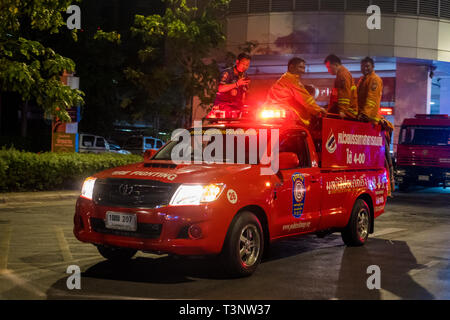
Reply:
x=401, y=172
x=194, y=194
x=88, y=188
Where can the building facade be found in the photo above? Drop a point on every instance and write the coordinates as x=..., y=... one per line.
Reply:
x=411, y=48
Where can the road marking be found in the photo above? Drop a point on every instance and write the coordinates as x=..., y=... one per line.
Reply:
x=386, y=231
x=63, y=245
x=60, y=293
x=428, y=265
x=387, y=295
x=35, y=270
x=5, y=238
x=33, y=204
x=20, y=282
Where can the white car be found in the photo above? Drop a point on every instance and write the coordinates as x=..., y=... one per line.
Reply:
x=90, y=143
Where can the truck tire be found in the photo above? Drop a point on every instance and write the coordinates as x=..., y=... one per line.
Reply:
x=243, y=246
x=357, y=230
x=116, y=254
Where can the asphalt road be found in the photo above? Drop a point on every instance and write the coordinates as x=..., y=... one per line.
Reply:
x=410, y=246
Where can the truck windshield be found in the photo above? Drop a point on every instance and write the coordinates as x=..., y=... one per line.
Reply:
x=425, y=135
x=245, y=144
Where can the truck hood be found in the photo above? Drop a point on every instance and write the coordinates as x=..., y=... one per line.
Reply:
x=167, y=171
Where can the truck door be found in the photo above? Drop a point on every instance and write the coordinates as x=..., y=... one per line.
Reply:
x=149, y=144
x=100, y=145
x=298, y=190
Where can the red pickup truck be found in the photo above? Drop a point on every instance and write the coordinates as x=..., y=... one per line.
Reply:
x=331, y=180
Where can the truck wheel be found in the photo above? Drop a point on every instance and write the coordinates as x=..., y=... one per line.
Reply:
x=357, y=230
x=244, y=245
x=116, y=254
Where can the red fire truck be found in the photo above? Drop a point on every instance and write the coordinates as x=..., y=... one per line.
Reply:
x=330, y=180
x=423, y=152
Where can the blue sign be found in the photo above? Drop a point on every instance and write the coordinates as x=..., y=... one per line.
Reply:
x=298, y=194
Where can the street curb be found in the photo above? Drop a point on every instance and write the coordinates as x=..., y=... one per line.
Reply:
x=21, y=197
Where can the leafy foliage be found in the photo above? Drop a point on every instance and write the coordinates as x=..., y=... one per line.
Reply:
x=173, y=63
x=27, y=66
x=22, y=171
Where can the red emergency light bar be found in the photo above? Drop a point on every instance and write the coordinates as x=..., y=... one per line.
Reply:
x=272, y=114
x=222, y=114
x=431, y=116
x=386, y=111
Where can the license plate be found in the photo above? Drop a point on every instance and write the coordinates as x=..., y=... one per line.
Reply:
x=424, y=178
x=121, y=221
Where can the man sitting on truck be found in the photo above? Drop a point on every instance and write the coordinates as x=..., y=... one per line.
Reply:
x=343, y=100
x=370, y=90
x=289, y=93
x=233, y=85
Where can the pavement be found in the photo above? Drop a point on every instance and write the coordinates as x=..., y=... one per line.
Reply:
x=20, y=197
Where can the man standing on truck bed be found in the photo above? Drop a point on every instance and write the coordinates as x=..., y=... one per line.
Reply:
x=343, y=99
x=289, y=92
x=370, y=90
x=233, y=85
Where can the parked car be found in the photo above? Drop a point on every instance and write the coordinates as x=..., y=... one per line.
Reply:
x=90, y=143
x=138, y=144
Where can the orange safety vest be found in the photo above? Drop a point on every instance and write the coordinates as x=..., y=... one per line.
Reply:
x=370, y=90
x=344, y=96
x=289, y=92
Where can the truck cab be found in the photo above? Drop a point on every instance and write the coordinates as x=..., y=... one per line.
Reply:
x=423, y=152
x=231, y=188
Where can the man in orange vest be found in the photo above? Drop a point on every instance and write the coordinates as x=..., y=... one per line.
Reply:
x=343, y=100
x=289, y=92
x=370, y=90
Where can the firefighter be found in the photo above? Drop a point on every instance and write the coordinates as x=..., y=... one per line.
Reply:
x=289, y=92
x=370, y=90
x=233, y=85
x=343, y=99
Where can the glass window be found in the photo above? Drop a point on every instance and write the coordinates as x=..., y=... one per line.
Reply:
x=149, y=143
x=100, y=143
x=425, y=135
x=88, y=141
x=295, y=141
x=243, y=146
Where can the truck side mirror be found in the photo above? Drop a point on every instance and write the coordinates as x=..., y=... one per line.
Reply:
x=288, y=160
x=149, y=153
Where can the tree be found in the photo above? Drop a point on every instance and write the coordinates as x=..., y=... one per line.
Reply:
x=101, y=56
x=174, y=65
x=28, y=67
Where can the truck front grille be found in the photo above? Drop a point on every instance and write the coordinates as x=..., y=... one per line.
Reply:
x=133, y=193
x=418, y=161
